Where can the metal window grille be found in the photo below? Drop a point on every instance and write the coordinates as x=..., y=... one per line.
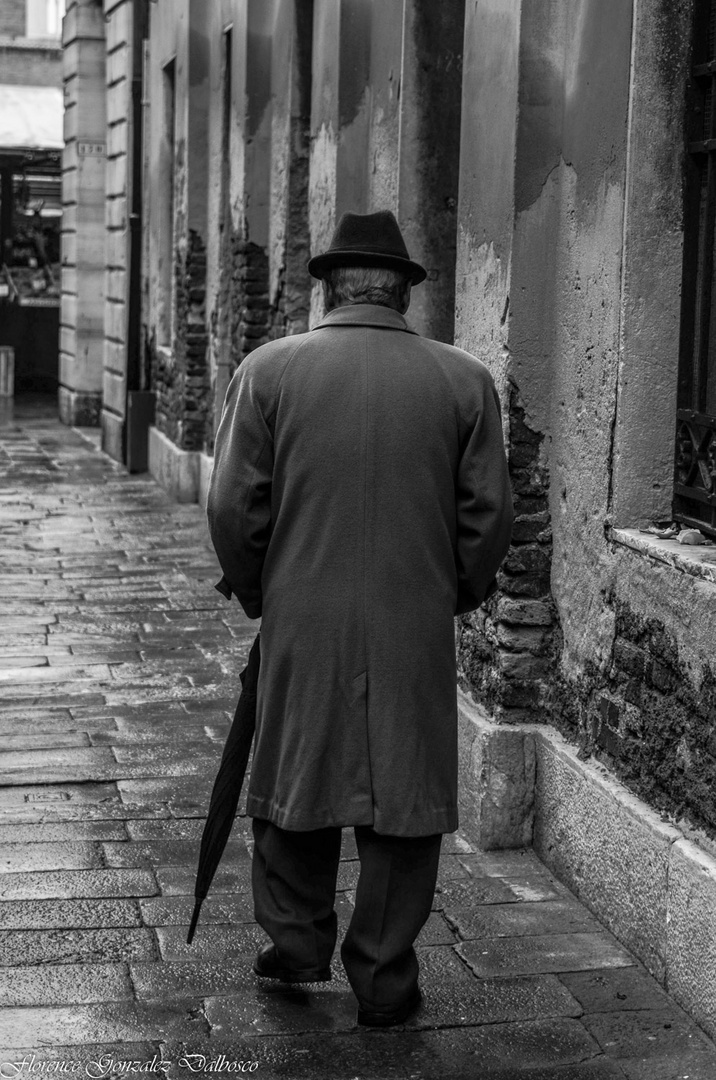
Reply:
x=695, y=472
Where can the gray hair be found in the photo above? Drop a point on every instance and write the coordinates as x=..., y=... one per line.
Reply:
x=367, y=285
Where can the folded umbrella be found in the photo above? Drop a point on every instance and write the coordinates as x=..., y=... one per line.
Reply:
x=227, y=786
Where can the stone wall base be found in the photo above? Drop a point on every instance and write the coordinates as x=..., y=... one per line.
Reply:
x=184, y=474
x=112, y=435
x=650, y=885
x=78, y=409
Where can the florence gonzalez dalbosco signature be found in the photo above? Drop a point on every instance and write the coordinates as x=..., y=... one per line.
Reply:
x=110, y=1066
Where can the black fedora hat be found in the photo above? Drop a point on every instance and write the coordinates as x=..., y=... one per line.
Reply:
x=367, y=240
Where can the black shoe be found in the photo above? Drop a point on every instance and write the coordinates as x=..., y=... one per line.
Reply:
x=268, y=966
x=370, y=1018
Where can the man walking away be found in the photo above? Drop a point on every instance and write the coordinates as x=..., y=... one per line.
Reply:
x=359, y=501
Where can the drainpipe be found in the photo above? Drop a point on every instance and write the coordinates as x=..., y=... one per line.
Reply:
x=140, y=401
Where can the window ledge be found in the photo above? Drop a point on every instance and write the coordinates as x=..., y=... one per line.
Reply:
x=698, y=561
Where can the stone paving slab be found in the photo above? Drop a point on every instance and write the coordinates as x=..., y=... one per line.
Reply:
x=46, y=741
x=71, y=884
x=544, y=952
x=54, y=832
x=117, y=1021
x=118, y=681
x=163, y=852
x=489, y=1051
x=521, y=919
x=84, y=914
x=63, y=946
x=65, y=984
x=15, y=858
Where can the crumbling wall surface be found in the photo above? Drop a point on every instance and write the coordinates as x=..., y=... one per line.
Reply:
x=643, y=458
x=547, y=271
x=324, y=135
x=180, y=375
x=565, y=311
x=354, y=160
x=430, y=96
x=650, y=713
x=289, y=241
x=507, y=649
x=486, y=184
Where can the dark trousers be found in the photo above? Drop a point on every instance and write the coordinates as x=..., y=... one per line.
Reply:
x=294, y=883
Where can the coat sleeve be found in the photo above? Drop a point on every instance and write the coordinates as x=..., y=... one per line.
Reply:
x=239, y=500
x=484, y=502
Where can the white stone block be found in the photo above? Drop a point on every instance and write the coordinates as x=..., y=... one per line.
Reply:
x=496, y=781
x=176, y=470
x=609, y=847
x=691, y=932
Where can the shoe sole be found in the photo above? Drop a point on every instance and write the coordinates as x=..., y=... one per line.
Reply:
x=283, y=975
x=366, y=1018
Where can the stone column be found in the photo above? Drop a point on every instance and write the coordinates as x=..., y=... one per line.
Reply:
x=119, y=28
x=83, y=197
x=324, y=133
x=289, y=243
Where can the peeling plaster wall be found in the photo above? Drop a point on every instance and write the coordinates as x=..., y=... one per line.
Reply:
x=567, y=264
x=324, y=135
x=430, y=96
x=355, y=121
x=221, y=155
x=653, y=253
x=384, y=81
x=289, y=242
x=544, y=259
x=486, y=191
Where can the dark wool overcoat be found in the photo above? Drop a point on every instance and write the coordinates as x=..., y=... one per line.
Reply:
x=359, y=500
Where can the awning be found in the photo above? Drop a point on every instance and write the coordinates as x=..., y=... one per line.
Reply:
x=31, y=117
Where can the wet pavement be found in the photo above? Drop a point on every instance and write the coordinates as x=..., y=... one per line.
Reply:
x=118, y=677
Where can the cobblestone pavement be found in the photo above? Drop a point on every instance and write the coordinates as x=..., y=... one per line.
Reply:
x=118, y=676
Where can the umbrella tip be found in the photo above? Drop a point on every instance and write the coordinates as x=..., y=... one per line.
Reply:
x=194, y=921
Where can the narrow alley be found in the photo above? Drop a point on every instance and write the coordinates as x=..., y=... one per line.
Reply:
x=119, y=677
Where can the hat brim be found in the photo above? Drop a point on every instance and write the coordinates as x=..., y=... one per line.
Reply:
x=319, y=264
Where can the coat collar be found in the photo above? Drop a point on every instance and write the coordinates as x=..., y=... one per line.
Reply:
x=365, y=315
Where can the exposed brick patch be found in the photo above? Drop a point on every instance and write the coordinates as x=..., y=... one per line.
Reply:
x=506, y=650
x=251, y=314
x=649, y=719
x=292, y=300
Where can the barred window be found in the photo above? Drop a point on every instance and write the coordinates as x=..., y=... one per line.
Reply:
x=695, y=474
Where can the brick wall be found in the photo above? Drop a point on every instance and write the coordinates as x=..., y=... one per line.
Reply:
x=21, y=65
x=647, y=719
x=251, y=310
x=12, y=20
x=507, y=649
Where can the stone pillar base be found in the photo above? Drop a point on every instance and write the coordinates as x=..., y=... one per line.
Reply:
x=113, y=435
x=184, y=474
x=497, y=779
x=78, y=409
